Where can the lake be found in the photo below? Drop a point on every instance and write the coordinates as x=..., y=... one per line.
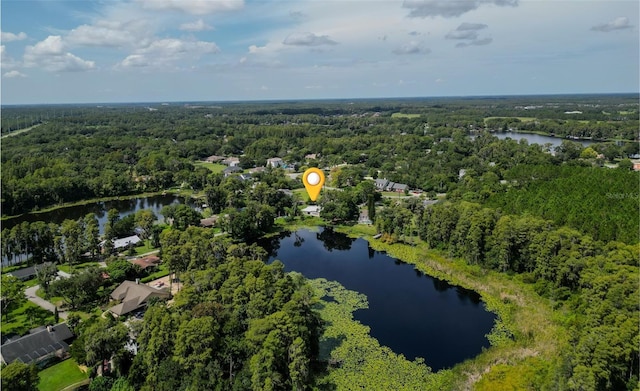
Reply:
x=125, y=207
x=411, y=313
x=533, y=138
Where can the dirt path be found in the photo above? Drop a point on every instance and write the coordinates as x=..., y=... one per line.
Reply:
x=16, y=132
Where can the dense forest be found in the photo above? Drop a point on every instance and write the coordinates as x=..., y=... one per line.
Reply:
x=89, y=152
x=562, y=222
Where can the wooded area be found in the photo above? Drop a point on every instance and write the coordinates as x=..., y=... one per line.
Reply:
x=561, y=221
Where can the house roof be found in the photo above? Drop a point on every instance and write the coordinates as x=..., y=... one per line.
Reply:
x=209, y=221
x=150, y=261
x=27, y=272
x=311, y=209
x=133, y=295
x=36, y=345
x=124, y=242
x=232, y=169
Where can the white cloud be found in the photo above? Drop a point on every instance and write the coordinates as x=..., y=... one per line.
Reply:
x=10, y=37
x=471, y=26
x=469, y=32
x=108, y=33
x=308, y=39
x=466, y=34
x=134, y=61
x=164, y=52
x=475, y=42
x=449, y=8
x=198, y=25
x=13, y=74
x=194, y=7
x=621, y=23
x=413, y=47
x=52, y=55
x=6, y=61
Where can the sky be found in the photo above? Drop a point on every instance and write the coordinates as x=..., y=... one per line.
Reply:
x=84, y=51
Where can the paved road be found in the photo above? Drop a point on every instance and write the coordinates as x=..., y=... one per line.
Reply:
x=31, y=295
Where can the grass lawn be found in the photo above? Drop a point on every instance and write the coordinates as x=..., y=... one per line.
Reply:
x=393, y=194
x=56, y=300
x=403, y=115
x=213, y=167
x=30, y=283
x=61, y=375
x=147, y=248
x=65, y=267
x=163, y=270
x=301, y=194
x=20, y=322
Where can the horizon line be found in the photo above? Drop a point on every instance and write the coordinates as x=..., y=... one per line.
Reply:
x=276, y=100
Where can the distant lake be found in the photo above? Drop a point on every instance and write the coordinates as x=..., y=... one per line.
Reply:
x=533, y=138
x=100, y=209
x=411, y=313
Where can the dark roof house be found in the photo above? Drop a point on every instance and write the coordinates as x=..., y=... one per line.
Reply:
x=27, y=273
x=133, y=295
x=38, y=345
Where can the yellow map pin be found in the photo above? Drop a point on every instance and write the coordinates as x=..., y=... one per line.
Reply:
x=313, y=180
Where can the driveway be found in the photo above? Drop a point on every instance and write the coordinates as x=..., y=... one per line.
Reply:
x=31, y=295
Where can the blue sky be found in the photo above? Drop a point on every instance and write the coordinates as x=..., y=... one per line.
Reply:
x=193, y=50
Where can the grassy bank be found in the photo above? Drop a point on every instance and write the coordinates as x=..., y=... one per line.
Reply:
x=527, y=336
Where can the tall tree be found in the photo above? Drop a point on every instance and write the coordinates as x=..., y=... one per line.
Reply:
x=92, y=234
x=18, y=376
x=11, y=294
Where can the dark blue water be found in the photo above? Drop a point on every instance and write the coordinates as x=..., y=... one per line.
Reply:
x=412, y=313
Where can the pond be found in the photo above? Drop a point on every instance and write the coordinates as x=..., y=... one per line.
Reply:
x=533, y=138
x=125, y=207
x=411, y=313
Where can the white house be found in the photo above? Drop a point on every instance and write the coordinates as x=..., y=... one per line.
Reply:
x=275, y=162
x=312, y=210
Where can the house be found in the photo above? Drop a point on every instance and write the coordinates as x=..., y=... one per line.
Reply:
x=257, y=170
x=275, y=162
x=244, y=177
x=231, y=170
x=381, y=184
x=386, y=185
x=27, y=273
x=214, y=159
x=150, y=261
x=133, y=295
x=311, y=156
x=209, y=221
x=123, y=243
x=364, y=217
x=231, y=161
x=312, y=210
x=41, y=343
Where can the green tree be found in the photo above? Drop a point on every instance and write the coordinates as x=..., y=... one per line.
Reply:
x=72, y=235
x=103, y=339
x=101, y=383
x=92, y=234
x=45, y=274
x=144, y=219
x=18, y=376
x=11, y=293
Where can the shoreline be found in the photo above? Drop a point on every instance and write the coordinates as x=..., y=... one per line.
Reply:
x=174, y=192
